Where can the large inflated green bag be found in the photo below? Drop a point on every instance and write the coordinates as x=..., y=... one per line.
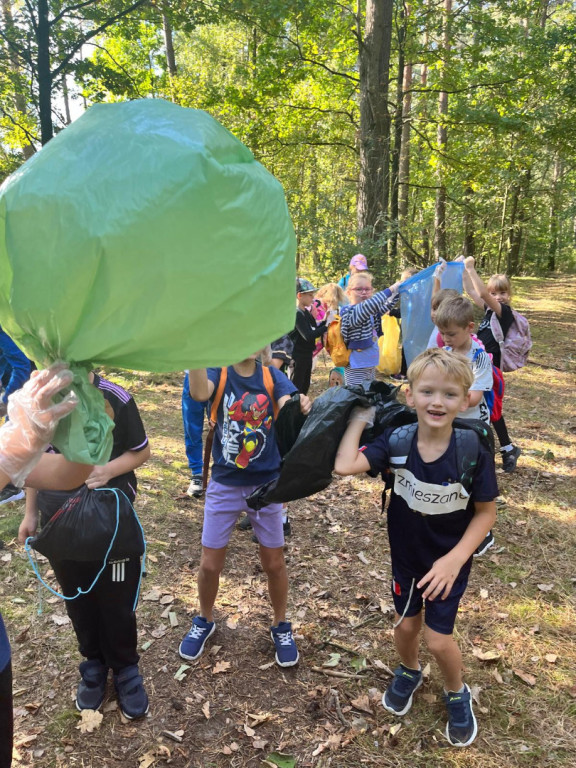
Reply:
x=144, y=236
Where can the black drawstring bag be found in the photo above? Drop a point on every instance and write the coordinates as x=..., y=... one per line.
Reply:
x=307, y=467
x=87, y=524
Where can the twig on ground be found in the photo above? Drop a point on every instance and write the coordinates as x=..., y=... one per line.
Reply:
x=335, y=673
x=335, y=700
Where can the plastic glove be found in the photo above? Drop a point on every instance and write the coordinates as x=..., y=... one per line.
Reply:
x=330, y=316
x=439, y=271
x=33, y=418
x=363, y=414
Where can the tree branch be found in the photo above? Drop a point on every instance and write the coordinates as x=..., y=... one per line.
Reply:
x=79, y=43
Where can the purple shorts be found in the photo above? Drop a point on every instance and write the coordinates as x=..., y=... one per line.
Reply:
x=224, y=503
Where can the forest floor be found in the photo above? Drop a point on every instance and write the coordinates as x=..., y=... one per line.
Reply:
x=234, y=706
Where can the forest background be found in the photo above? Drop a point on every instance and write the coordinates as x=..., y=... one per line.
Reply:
x=407, y=131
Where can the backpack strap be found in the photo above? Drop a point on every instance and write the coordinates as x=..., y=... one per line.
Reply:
x=269, y=384
x=399, y=445
x=467, y=452
x=212, y=426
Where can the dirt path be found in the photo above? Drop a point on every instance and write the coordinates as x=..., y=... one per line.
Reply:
x=234, y=707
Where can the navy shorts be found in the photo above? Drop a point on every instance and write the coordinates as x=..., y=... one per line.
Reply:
x=439, y=615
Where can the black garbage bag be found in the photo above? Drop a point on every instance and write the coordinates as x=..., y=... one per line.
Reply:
x=288, y=424
x=85, y=526
x=307, y=467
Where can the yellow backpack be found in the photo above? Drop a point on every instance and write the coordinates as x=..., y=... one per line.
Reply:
x=335, y=344
x=390, y=346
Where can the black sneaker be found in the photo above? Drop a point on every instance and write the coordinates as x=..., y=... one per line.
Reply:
x=398, y=696
x=11, y=493
x=486, y=544
x=92, y=685
x=132, y=696
x=510, y=458
x=461, y=728
x=245, y=524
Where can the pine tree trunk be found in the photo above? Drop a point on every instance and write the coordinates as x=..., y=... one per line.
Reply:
x=442, y=141
x=44, y=73
x=170, y=56
x=372, y=207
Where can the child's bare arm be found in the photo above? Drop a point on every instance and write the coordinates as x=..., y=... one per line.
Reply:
x=443, y=573
x=29, y=523
x=349, y=460
x=480, y=288
x=438, y=272
x=126, y=462
x=201, y=388
x=305, y=403
x=475, y=396
x=471, y=291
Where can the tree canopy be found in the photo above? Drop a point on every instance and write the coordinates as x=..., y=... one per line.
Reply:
x=406, y=131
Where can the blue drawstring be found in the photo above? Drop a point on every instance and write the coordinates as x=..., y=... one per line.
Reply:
x=34, y=563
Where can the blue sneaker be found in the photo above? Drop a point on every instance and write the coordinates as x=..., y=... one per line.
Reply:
x=461, y=728
x=286, y=652
x=92, y=685
x=132, y=696
x=398, y=696
x=193, y=644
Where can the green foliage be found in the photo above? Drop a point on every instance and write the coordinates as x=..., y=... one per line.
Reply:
x=285, y=79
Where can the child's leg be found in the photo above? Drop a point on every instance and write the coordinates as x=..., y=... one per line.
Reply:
x=116, y=591
x=6, y=716
x=448, y=657
x=211, y=566
x=407, y=640
x=502, y=432
x=84, y=610
x=274, y=567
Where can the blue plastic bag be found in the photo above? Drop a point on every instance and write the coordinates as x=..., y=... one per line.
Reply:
x=415, y=299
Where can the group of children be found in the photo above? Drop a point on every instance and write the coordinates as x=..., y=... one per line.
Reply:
x=438, y=516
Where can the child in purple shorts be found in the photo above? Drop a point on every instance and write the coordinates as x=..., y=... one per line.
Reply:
x=245, y=455
x=437, y=516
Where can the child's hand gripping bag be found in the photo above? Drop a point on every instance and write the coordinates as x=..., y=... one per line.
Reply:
x=137, y=238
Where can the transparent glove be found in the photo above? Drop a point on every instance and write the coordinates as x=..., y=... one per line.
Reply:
x=330, y=316
x=440, y=269
x=33, y=418
x=363, y=414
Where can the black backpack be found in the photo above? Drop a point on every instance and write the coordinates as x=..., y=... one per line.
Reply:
x=469, y=434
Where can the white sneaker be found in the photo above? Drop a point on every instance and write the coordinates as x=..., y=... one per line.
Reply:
x=195, y=487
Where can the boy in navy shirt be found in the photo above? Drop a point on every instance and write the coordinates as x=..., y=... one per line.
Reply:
x=436, y=519
x=245, y=455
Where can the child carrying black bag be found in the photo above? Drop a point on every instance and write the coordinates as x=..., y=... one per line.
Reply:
x=103, y=616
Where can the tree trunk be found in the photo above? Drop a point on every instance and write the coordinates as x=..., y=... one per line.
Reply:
x=517, y=222
x=397, y=151
x=44, y=73
x=555, y=202
x=170, y=56
x=404, y=168
x=469, y=223
x=373, y=189
x=442, y=140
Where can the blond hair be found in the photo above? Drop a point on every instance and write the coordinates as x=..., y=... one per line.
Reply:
x=359, y=276
x=499, y=283
x=452, y=365
x=457, y=311
x=332, y=295
x=443, y=293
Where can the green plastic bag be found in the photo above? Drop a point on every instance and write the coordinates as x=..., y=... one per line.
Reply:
x=144, y=236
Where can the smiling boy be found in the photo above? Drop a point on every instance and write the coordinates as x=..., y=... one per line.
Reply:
x=441, y=508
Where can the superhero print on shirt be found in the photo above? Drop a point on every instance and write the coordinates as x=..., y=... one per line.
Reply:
x=247, y=422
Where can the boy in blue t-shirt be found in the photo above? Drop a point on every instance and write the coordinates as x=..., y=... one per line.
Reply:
x=245, y=455
x=436, y=519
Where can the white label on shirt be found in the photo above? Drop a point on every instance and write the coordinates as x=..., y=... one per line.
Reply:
x=429, y=498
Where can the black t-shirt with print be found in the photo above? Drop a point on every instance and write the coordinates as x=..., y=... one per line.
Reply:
x=429, y=509
x=485, y=332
